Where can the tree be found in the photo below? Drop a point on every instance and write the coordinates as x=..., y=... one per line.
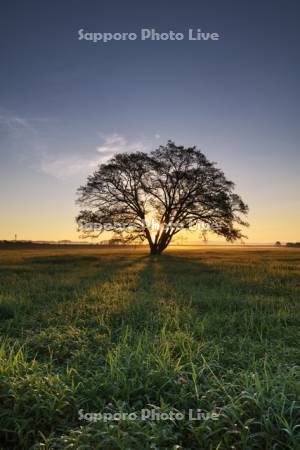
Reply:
x=177, y=187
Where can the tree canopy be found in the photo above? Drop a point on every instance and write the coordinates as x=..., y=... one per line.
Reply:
x=153, y=196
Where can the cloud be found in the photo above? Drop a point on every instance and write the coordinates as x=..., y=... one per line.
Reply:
x=17, y=126
x=115, y=143
x=64, y=166
x=68, y=166
x=75, y=165
x=20, y=136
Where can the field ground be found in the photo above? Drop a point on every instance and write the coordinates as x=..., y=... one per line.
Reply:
x=102, y=330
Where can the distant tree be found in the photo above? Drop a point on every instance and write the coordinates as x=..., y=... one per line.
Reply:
x=175, y=186
x=293, y=244
x=115, y=241
x=277, y=244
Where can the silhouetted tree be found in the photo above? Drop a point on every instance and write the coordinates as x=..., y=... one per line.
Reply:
x=293, y=244
x=178, y=187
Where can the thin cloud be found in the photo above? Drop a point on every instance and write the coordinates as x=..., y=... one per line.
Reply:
x=17, y=126
x=115, y=143
x=76, y=165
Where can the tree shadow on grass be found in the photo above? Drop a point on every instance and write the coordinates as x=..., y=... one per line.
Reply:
x=240, y=281
x=180, y=289
x=152, y=301
x=73, y=327
x=31, y=298
x=230, y=305
x=233, y=315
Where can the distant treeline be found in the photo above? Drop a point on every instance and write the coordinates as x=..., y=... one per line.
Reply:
x=34, y=245
x=15, y=242
x=31, y=244
x=21, y=244
x=293, y=244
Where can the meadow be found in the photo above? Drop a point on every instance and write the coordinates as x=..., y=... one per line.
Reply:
x=116, y=330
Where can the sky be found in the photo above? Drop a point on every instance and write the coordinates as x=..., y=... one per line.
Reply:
x=68, y=104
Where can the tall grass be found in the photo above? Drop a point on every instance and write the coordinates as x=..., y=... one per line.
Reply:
x=120, y=331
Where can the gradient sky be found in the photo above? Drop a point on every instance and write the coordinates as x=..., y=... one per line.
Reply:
x=66, y=104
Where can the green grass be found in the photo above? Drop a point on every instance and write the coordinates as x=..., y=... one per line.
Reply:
x=117, y=331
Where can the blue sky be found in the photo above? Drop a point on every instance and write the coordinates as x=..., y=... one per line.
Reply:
x=66, y=105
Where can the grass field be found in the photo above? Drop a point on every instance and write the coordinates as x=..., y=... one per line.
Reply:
x=118, y=331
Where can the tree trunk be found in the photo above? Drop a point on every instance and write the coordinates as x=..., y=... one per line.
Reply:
x=158, y=246
x=155, y=251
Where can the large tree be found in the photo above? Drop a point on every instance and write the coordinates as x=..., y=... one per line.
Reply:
x=153, y=196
